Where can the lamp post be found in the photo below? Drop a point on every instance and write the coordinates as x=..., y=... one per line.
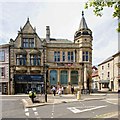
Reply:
x=45, y=68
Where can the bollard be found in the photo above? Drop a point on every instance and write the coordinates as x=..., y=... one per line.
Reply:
x=78, y=95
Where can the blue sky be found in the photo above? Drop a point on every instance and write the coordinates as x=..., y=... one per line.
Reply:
x=63, y=17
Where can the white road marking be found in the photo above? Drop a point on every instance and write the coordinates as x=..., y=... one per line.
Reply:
x=53, y=107
x=27, y=114
x=36, y=113
x=34, y=109
x=110, y=102
x=75, y=110
x=26, y=109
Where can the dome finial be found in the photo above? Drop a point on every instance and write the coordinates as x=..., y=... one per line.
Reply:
x=82, y=13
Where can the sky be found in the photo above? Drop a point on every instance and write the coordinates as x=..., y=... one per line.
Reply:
x=63, y=17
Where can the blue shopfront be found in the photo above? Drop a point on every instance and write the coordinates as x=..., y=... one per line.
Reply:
x=25, y=83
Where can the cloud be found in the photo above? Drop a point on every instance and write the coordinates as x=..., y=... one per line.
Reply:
x=63, y=17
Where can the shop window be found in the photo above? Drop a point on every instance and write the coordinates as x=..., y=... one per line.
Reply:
x=64, y=77
x=53, y=77
x=74, y=77
x=105, y=85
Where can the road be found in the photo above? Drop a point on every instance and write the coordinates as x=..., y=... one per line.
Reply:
x=12, y=107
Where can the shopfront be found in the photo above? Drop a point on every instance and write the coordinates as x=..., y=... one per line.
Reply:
x=25, y=83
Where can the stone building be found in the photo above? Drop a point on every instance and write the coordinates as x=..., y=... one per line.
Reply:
x=4, y=69
x=60, y=61
x=109, y=72
x=95, y=79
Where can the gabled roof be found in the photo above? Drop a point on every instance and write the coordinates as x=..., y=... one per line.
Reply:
x=83, y=24
x=110, y=58
x=28, y=28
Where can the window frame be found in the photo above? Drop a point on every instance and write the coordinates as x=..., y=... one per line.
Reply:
x=70, y=56
x=2, y=56
x=21, y=59
x=28, y=42
x=2, y=72
x=85, y=56
x=35, y=60
x=56, y=56
x=63, y=56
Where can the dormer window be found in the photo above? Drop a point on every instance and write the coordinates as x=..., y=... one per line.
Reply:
x=28, y=43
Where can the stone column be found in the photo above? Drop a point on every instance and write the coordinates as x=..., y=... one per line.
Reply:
x=69, y=81
x=85, y=77
x=79, y=78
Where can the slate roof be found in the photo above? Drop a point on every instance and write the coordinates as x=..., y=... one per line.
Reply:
x=83, y=24
x=110, y=58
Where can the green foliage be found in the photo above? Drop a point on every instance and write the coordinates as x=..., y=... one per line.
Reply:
x=99, y=5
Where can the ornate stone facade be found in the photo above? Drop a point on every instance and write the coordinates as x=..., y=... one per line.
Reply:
x=68, y=63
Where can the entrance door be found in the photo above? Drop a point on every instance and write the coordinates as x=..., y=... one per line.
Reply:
x=20, y=88
x=112, y=85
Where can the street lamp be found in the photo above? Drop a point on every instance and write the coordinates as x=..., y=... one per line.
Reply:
x=45, y=69
x=46, y=77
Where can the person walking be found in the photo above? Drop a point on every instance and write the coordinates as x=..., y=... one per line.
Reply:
x=59, y=91
x=54, y=90
x=72, y=89
x=62, y=89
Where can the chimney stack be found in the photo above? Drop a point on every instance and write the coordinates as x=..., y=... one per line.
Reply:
x=47, y=33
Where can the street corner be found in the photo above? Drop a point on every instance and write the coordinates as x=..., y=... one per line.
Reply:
x=29, y=104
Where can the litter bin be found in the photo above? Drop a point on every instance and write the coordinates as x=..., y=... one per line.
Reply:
x=78, y=95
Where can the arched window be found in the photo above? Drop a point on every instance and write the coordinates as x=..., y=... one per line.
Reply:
x=53, y=77
x=74, y=77
x=63, y=77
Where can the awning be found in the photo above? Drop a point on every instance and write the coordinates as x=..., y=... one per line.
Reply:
x=104, y=81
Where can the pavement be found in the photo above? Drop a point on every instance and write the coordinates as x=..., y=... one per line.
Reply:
x=65, y=98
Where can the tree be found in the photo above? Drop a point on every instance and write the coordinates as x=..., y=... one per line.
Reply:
x=99, y=5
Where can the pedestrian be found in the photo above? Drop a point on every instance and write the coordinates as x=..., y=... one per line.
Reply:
x=32, y=95
x=72, y=89
x=54, y=90
x=62, y=89
x=59, y=91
